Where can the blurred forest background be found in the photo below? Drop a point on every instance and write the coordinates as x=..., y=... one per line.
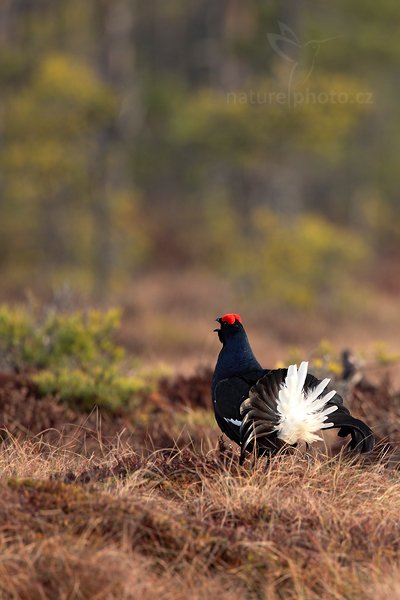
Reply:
x=190, y=158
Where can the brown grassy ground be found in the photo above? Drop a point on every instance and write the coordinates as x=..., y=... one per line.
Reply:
x=93, y=513
x=186, y=524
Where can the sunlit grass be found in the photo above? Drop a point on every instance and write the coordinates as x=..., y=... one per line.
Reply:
x=298, y=527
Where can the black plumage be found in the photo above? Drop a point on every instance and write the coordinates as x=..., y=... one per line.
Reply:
x=245, y=397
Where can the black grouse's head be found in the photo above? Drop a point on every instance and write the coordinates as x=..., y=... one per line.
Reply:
x=231, y=326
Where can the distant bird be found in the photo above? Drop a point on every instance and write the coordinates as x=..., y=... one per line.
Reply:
x=273, y=409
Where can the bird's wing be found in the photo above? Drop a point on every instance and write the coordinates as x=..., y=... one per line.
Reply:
x=228, y=396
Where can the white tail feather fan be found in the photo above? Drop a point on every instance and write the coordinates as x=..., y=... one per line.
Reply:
x=302, y=413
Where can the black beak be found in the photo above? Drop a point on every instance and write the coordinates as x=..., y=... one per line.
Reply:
x=218, y=319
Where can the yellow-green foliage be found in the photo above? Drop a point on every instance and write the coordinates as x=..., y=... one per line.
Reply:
x=102, y=386
x=72, y=355
x=29, y=340
x=383, y=355
x=248, y=124
x=65, y=99
x=324, y=360
x=91, y=141
x=296, y=262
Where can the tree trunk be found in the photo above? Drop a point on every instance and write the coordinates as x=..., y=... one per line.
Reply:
x=115, y=66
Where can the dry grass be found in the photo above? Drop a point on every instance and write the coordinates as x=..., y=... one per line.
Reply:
x=182, y=523
x=82, y=517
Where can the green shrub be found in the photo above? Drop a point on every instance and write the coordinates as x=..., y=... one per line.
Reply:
x=98, y=386
x=29, y=340
x=71, y=355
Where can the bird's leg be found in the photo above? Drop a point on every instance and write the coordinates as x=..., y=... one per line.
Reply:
x=308, y=453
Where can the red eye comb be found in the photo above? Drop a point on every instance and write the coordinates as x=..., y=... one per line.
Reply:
x=230, y=318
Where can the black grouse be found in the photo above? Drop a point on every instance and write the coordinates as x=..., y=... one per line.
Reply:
x=277, y=408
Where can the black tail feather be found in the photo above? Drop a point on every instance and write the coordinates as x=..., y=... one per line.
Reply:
x=260, y=416
x=362, y=438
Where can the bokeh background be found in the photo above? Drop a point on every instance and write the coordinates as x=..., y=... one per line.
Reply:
x=185, y=159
